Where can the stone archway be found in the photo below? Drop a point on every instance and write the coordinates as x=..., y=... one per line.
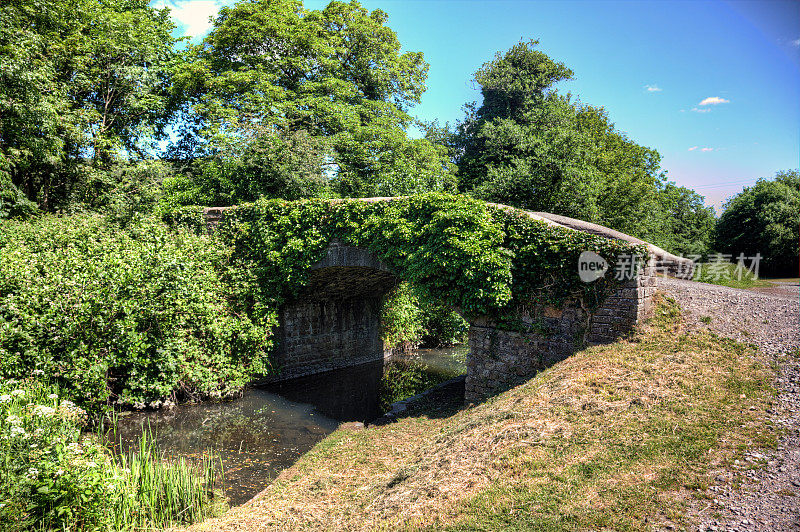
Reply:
x=335, y=321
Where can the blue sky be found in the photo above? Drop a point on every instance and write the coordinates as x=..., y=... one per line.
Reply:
x=714, y=86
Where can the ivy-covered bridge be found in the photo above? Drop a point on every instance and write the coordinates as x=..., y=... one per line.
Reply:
x=320, y=269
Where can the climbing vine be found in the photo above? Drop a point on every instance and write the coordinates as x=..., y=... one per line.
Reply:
x=474, y=257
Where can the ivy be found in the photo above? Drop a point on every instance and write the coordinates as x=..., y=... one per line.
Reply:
x=477, y=258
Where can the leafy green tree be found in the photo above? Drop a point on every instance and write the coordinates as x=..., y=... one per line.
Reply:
x=522, y=145
x=685, y=222
x=336, y=74
x=287, y=165
x=764, y=218
x=529, y=146
x=83, y=81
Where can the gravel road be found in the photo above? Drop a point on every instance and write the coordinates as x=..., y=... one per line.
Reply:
x=769, y=318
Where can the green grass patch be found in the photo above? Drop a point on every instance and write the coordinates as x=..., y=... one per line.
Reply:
x=727, y=274
x=615, y=437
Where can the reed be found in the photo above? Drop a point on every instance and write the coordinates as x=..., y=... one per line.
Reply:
x=167, y=491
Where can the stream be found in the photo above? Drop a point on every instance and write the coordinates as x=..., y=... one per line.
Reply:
x=266, y=430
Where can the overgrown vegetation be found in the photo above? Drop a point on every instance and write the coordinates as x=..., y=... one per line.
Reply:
x=410, y=319
x=56, y=476
x=146, y=314
x=614, y=437
x=129, y=317
x=471, y=257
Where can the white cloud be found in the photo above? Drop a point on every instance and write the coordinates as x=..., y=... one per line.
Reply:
x=693, y=148
x=652, y=88
x=192, y=16
x=796, y=43
x=696, y=110
x=714, y=100
x=706, y=149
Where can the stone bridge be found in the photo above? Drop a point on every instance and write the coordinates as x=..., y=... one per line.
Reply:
x=335, y=321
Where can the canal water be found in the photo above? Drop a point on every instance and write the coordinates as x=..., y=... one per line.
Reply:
x=265, y=431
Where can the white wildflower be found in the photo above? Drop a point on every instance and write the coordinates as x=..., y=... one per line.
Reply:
x=17, y=431
x=59, y=472
x=14, y=420
x=90, y=463
x=33, y=472
x=74, y=448
x=5, y=398
x=43, y=411
x=37, y=372
x=18, y=393
x=53, y=396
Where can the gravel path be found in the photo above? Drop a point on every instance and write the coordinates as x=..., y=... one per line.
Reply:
x=769, y=499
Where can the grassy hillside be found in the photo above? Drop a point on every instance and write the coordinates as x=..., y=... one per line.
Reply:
x=617, y=436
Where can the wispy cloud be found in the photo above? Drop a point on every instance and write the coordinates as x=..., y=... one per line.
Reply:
x=714, y=100
x=795, y=43
x=652, y=88
x=706, y=149
x=192, y=16
x=693, y=148
x=696, y=110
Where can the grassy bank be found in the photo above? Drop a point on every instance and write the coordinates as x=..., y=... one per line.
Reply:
x=616, y=436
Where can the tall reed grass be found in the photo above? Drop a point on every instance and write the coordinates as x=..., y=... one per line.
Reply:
x=168, y=491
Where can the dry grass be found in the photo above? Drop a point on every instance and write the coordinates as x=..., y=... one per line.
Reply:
x=615, y=437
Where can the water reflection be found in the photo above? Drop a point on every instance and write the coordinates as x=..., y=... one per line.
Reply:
x=266, y=430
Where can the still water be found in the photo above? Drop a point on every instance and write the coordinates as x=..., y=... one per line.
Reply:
x=266, y=430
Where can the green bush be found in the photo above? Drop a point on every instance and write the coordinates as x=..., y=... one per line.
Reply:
x=131, y=317
x=410, y=319
x=442, y=325
x=55, y=476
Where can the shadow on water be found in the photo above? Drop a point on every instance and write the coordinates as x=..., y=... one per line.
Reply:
x=269, y=428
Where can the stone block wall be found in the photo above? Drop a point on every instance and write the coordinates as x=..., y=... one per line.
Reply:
x=500, y=358
x=623, y=308
x=321, y=335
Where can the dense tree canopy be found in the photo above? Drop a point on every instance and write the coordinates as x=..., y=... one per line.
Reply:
x=270, y=66
x=83, y=81
x=283, y=101
x=529, y=146
x=765, y=219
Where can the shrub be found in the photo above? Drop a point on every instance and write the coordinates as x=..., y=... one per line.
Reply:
x=54, y=476
x=132, y=317
x=402, y=319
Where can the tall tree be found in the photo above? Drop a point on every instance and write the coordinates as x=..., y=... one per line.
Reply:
x=684, y=223
x=765, y=219
x=337, y=74
x=529, y=146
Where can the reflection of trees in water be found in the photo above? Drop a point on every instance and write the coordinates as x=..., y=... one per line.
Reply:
x=406, y=377
x=261, y=433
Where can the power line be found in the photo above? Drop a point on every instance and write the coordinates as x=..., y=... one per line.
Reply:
x=730, y=183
